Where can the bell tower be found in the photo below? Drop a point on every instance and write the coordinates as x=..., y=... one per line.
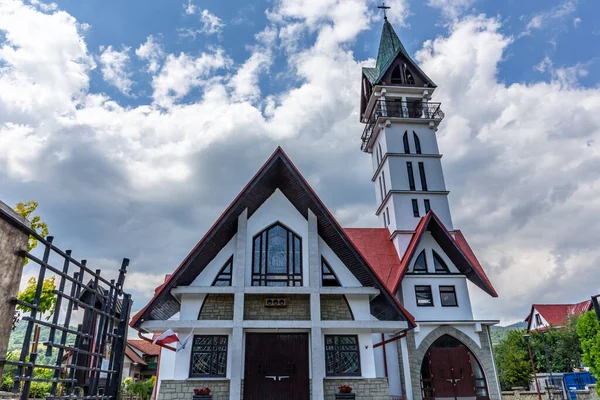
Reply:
x=400, y=134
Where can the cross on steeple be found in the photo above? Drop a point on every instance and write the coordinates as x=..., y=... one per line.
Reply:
x=384, y=8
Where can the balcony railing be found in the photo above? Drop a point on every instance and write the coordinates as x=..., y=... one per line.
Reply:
x=400, y=109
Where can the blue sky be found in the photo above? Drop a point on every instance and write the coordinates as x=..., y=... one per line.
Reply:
x=142, y=120
x=564, y=35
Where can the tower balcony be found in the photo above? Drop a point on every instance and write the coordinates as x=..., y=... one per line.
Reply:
x=401, y=111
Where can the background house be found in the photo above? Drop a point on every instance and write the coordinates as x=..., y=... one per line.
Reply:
x=141, y=360
x=544, y=316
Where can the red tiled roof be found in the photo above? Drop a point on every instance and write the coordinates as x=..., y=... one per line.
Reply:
x=558, y=314
x=145, y=347
x=460, y=240
x=133, y=356
x=379, y=251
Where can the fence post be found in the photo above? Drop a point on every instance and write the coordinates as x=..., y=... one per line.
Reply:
x=13, y=237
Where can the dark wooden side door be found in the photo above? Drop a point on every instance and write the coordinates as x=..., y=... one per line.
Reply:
x=276, y=366
x=462, y=372
x=452, y=373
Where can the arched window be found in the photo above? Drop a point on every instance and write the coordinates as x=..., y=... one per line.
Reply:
x=421, y=263
x=366, y=89
x=277, y=257
x=397, y=75
x=417, y=143
x=410, y=80
x=379, y=154
x=224, y=276
x=405, y=141
x=439, y=263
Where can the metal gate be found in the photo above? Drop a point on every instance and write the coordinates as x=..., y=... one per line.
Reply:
x=91, y=367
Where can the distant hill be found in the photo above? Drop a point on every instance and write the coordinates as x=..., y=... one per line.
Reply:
x=499, y=333
x=16, y=340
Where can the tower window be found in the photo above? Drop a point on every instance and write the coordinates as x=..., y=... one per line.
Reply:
x=423, y=179
x=388, y=216
x=417, y=143
x=410, y=80
x=421, y=263
x=424, y=296
x=224, y=276
x=379, y=154
x=415, y=206
x=439, y=263
x=411, y=175
x=328, y=277
x=381, y=189
x=405, y=141
x=277, y=257
x=384, y=218
x=397, y=76
x=427, y=205
x=448, y=296
x=383, y=179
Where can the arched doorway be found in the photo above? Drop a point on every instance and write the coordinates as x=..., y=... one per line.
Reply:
x=450, y=371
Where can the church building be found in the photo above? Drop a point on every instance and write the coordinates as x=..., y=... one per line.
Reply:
x=278, y=301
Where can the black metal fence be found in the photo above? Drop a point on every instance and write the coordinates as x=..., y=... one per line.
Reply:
x=400, y=109
x=90, y=367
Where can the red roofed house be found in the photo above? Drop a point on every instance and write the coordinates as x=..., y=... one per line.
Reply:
x=141, y=360
x=545, y=316
x=279, y=301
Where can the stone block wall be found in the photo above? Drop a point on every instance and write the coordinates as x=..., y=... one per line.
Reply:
x=484, y=355
x=184, y=390
x=217, y=307
x=297, y=309
x=334, y=307
x=364, y=388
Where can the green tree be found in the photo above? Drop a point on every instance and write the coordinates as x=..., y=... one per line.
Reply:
x=563, y=346
x=47, y=299
x=588, y=331
x=512, y=360
x=142, y=388
x=25, y=210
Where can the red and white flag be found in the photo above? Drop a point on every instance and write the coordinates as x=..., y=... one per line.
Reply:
x=166, y=337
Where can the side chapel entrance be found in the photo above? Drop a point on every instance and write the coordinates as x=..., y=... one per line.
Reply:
x=450, y=371
x=276, y=366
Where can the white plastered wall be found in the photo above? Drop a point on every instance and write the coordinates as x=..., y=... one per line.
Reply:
x=342, y=272
x=209, y=273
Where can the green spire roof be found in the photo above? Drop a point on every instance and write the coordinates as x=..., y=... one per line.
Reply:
x=390, y=47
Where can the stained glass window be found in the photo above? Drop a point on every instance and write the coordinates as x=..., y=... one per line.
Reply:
x=209, y=356
x=277, y=257
x=224, y=277
x=342, y=355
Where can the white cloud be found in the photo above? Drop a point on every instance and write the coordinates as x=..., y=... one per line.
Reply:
x=451, y=8
x=182, y=73
x=519, y=162
x=211, y=24
x=542, y=19
x=115, y=68
x=152, y=52
x=576, y=22
x=190, y=8
x=520, y=159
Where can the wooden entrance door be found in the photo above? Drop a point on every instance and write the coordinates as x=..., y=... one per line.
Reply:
x=276, y=366
x=452, y=374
